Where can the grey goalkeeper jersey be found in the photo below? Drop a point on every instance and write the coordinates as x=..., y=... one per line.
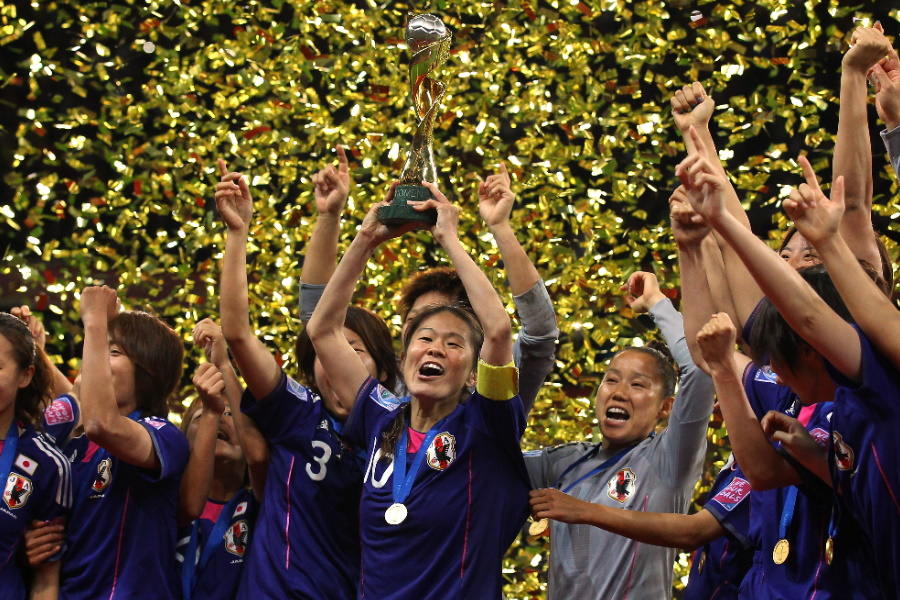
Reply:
x=658, y=475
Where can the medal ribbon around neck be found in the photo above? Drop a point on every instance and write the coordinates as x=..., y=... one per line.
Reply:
x=787, y=515
x=9, y=449
x=191, y=564
x=403, y=481
x=599, y=469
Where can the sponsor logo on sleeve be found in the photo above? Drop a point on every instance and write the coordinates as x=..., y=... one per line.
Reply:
x=442, y=451
x=733, y=493
x=765, y=374
x=18, y=489
x=156, y=422
x=621, y=485
x=821, y=436
x=28, y=465
x=59, y=411
x=385, y=399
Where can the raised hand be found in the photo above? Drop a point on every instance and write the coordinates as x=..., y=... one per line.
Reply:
x=233, y=199
x=887, y=89
x=208, y=335
x=447, y=226
x=331, y=186
x=868, y=46
x=688, y=227
x=642, y=291
x=691, y=107
x=817, y=218
x=210, y=385
x=794, y=437
x=716, y=341
x=35, y=326
x=705, y=186
x=98, y=303
x=550, y=503
x=496, y=198
x=376, y=231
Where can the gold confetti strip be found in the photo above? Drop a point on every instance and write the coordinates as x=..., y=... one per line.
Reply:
x=114, y=114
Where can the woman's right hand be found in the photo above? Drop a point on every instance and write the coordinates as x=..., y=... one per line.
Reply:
x=376, y=231
x=210, y=385
x=43, y=539
x=233, y=199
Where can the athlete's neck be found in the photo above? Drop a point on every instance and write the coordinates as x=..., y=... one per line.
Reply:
x=424, y=414
x=226, y=482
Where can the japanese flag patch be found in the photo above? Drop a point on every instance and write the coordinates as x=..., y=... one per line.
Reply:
x=28, y=465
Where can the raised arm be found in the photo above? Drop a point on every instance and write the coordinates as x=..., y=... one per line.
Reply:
x=103, y=422
x=853, y=150
x=887, y=104
x=764, y=467
x=819, y=219
x=801, y=306
x=331, y=188
x=534, y=348
x=497, y=348
x=258, y=367
x=208, y=335
x=326, y=327
x=197, y=479
x=671, y=530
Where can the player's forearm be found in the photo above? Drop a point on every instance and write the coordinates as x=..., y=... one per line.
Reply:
x=697, y=304
x=520, y=270
x=197, y=480
x=328, y=318
x=234, y=300
x=321, y=253
x=852, y=150
x=670, y=530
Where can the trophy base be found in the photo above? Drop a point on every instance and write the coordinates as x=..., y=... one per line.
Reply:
x=399, y=212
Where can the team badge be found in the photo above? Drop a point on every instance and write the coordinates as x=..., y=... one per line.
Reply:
x=18, y=488
x=236, y=538
x=104, y=475
x=843, y=454
x=621, y=485
x=442, y=451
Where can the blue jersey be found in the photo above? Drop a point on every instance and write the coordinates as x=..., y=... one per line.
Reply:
x=865, y=462
x=37, y=486
x=308, y=526
x=467, y=503
x=217, y=562
x=805, y=574
x=719, y=567
x=121, y=536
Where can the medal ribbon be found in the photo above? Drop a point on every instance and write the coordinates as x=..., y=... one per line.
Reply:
x=787, y=512
x=403, y=481
x=602, y=467
x=9, y=450
x=191, y=565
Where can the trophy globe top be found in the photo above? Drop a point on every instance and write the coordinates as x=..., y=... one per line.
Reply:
x=423, y=31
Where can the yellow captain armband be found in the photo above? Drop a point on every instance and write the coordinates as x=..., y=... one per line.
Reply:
x=497, y=383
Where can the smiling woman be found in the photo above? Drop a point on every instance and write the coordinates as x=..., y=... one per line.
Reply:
x=444, y=477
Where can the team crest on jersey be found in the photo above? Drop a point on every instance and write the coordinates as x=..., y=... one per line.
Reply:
x=442, y=451
x=236, y=537
x=104, y=475
x=18, y=488
x=843, y=454
x=621, y=485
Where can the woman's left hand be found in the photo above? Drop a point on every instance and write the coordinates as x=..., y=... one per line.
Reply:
x=447, y=226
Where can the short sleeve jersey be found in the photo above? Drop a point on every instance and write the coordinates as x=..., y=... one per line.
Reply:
x=467, y=502
x=218, y=561
x=37, y=486
x=121, y=536
x=865, y=461
x=658, y=475
x=806, y=572
x=308, y=526
x=719, y=567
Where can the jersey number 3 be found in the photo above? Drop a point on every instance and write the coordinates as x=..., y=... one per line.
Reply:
x=318, y=474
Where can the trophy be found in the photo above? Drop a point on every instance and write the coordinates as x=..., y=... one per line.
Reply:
x=429, y=44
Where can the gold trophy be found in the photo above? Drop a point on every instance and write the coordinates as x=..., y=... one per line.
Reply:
x=429, y=44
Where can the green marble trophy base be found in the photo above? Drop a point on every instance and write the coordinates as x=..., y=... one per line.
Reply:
x=399, y=212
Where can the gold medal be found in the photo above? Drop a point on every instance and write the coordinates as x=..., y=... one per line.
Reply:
x=781, y=551
x=829, y=549
x=538, y=527
x=395, y=514
x=701, y=562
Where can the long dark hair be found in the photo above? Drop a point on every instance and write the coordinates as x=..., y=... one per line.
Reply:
x=32, y=399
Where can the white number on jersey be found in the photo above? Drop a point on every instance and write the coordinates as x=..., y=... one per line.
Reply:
x=321, y=460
